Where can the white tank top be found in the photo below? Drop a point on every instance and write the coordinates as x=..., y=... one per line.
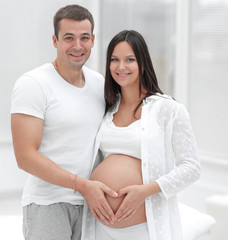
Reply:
x=122, y=140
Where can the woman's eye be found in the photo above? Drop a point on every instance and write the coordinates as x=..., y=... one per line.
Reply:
x=114, y=59
x=130, y=60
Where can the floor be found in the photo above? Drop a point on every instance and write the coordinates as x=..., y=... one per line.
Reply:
x=10, y=216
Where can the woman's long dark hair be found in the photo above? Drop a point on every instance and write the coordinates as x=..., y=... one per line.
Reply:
x=147, y=77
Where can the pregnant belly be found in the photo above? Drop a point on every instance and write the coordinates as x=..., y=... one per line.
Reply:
x=118, y=171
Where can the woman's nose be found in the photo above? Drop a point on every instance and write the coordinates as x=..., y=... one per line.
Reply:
x=122, y=65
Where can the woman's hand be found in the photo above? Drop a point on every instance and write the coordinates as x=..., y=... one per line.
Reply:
x=94, y=194
x=135, y=197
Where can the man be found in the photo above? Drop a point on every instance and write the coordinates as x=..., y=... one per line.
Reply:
x=56, y=111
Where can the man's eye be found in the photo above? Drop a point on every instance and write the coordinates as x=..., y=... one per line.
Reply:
x=68, y=38
x=85, y=38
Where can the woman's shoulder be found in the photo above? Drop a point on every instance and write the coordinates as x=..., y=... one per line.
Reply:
x=163, y=103
x=161, y=99
x=159, y=96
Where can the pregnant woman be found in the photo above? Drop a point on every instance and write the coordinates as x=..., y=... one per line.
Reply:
x=147, y=150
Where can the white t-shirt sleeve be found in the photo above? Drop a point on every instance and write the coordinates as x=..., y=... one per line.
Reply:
x=28, y=97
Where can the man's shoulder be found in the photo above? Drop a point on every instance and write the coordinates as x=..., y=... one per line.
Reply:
x=38, y=74
x=34, y=77
x=39, y=70
x=91, y=73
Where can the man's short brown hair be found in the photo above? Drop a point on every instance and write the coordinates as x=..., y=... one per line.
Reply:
x=74, y=12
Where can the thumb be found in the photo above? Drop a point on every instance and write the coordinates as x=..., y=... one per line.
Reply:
x=123, y=191
x=109, y=191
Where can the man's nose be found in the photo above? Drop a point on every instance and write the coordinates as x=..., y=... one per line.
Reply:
x=77, y=44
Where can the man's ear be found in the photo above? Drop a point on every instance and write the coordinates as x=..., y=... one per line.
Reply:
x=93, y=38
x=54, y=40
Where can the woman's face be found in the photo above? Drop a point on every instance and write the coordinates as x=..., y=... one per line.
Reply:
x=123, y=66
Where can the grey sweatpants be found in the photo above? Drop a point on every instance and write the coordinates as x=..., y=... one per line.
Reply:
x=58, y=221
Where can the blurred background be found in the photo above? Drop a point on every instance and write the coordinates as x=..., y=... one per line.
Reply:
x=188, y=43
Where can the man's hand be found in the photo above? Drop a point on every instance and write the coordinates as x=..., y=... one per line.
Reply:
x=94, y=194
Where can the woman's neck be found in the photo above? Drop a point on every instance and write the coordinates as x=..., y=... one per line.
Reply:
x=131, y=96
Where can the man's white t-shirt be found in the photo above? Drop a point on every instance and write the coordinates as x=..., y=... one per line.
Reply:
x=71, y=120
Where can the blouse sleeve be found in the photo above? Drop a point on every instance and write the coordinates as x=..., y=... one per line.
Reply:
x=187, y=165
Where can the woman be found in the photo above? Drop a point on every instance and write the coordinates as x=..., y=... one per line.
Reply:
x=148, y=149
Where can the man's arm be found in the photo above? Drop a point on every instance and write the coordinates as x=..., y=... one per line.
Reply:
x=27, y=132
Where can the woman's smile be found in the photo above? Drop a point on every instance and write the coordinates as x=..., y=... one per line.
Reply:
x=123, y=75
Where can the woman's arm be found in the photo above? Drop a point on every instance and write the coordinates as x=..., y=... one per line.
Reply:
x=187, y=165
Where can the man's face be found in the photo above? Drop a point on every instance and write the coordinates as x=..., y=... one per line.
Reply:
x=74, y=43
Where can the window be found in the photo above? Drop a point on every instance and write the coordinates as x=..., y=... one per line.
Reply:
x=208, y=81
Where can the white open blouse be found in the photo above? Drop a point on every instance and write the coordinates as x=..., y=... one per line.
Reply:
x=168, y=156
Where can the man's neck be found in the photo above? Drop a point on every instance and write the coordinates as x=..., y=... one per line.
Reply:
x=73, y=76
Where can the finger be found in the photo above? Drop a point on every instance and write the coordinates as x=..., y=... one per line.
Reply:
x=94, y=214
x=106, y=215
x=101, y=216
x=109, y=191
x=129, y=216
x=125, y=215
x=109, y=212
x=121, y=210
x=122, y=191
